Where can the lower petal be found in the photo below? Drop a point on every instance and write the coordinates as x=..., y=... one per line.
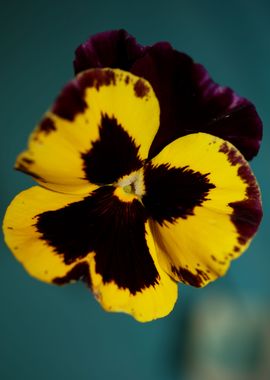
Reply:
x=150, y=302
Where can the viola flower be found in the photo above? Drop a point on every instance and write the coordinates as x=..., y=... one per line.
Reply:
x=109, y=212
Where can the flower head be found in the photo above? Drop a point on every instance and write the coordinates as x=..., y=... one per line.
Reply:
x=117, y=207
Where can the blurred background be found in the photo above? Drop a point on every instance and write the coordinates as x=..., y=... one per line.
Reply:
x=48, y=333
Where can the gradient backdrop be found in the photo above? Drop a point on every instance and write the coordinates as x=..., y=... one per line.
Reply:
x=50, y=333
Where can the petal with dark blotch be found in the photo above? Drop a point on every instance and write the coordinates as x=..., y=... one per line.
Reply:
x=190, y=101
x=98, y=239
x=37, y=255
x=151, y=302
x=205, y=207
x=99, y=129
x=115, y=49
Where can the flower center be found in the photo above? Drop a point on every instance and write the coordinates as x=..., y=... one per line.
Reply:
x=129, y=188
x=132, y=184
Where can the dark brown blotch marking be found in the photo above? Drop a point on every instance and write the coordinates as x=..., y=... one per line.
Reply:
x=79, y=272
x=172, y=193
x=113, y=155
x=96, y=78
x=47, y=126
x=114, y=230
x=71, y=101
x=187, y=277
x=10, y=228
x=232, y=154
x=236, y=249
x=141, y=88
x=247, y=213
x=127, y=79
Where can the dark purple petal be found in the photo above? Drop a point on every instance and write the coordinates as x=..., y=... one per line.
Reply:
x=114, y=49
x=228, y=115
x=191, y=102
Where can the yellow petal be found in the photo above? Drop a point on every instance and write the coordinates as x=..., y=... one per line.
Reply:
x=205, y=207
x=151, y=302
x=99, y=129
x=38, y=257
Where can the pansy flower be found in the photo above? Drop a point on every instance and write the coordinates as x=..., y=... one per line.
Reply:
x=130, y=220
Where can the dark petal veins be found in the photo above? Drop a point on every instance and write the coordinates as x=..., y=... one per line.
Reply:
x=113, y=230
x=114, y=155
x=172, y=193
x=115, y=49
x=191, y=102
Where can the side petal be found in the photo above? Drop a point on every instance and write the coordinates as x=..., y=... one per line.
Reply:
x=190, y=102
x=37, y=255
x=115, y=49
x=205, y=207
x=99, y=129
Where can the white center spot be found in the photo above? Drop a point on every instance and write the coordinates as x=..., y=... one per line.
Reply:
x=133, y=183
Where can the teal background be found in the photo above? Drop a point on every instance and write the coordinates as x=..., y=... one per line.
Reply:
x=50, y=333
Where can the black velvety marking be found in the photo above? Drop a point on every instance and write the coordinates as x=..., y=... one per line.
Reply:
x=187, y=277
x=113, y=230
x=78, y=272
x=47, y=126
x=115, y=154
x=140, y=88
x=172, y=193
x=247, y=213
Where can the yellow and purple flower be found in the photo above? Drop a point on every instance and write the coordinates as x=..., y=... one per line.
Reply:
x=144, y=179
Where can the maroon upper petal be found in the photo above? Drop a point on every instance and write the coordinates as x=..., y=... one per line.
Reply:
x=115, y=49
x=189, y=100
